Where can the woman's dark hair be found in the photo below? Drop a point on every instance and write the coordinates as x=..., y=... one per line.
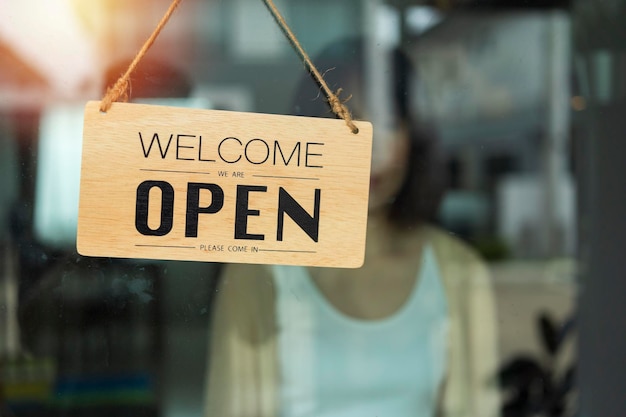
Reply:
x=422, y=190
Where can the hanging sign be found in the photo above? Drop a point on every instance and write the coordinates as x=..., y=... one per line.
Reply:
x=205, y=185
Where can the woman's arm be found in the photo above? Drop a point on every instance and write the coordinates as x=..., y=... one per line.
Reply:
x=242, y=357
x=471, y=388
x=482, y=344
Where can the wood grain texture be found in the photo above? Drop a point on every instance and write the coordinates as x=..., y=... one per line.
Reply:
x=230, y=151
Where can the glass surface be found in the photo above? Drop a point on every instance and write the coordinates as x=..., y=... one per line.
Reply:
x=467, y=300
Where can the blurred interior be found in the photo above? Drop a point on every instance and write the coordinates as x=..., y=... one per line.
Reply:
x=516, y=91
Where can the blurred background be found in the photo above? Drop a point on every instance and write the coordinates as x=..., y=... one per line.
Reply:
x=525, y=97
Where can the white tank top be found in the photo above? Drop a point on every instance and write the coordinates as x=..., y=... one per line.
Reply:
x=333, y=365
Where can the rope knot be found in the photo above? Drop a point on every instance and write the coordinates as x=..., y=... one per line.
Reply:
x=339, y=108
x=118, y=92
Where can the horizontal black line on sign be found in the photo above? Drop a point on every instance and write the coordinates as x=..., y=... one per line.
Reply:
x=292, y=178
x=172, y=170
x=286, y=250
x=166, y=246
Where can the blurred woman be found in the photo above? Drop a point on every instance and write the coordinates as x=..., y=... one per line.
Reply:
x=411, y=333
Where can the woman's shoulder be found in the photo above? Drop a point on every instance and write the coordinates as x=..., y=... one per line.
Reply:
x=458, y=262
x=245, y=299
x=450, y=246
x=242, y=271
x=242, y=279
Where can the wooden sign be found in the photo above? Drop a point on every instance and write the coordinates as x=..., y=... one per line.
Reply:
x=205, y=185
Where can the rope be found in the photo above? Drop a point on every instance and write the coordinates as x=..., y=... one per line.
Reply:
x=119, y=91
x=337, y=106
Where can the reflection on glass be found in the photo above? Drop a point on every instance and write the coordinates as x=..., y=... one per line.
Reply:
x=483, y=112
